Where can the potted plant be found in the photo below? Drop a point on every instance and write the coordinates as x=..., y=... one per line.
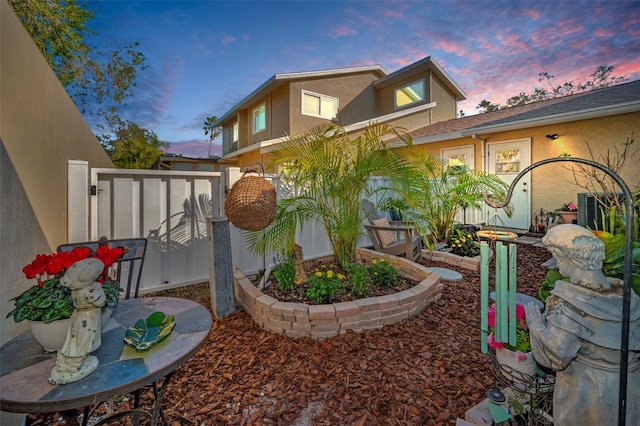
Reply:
x=516, y=361
x=568, y=213
x=48, y=302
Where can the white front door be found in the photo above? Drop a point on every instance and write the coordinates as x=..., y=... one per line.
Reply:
x=506, y=160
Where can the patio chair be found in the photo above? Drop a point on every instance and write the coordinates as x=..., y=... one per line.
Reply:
x=129, y=266
x=396, y=237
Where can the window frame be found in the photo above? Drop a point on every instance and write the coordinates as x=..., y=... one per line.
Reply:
x=262, y=106
x=234, y=132
x=405, y=86
x=320, y=97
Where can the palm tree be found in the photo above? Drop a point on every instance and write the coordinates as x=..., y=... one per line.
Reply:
x=331, y=171
x=212, y=130
x=439, y=192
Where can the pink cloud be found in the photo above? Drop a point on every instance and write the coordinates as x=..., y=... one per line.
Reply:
x=343, y=31
x=194, y=148
x=227, y=40
x=604, y=33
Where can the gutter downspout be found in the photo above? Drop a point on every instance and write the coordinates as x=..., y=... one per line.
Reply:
x=484, y=153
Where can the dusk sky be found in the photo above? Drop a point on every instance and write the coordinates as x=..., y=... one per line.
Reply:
x=206, y=56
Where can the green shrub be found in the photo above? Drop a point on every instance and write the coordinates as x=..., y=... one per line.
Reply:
x=463, y=244
x=285, y=274
x=358, y=276
x=549, y=283
x=382, y=273
x=323, y=286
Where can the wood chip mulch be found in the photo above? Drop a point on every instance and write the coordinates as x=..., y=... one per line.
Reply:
x=427, y=370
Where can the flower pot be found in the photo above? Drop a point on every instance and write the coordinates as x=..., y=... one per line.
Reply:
x=52, y=336
x=515, y=369
x=568, y=217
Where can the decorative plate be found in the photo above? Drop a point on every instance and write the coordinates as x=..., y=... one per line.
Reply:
x=146, y=333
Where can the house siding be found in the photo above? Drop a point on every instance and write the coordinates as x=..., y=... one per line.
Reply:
x=445, y=102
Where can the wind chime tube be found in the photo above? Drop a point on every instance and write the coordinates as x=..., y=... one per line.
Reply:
x=504, y=299
x=513, y=274
x=484, y=295
x=499, y=295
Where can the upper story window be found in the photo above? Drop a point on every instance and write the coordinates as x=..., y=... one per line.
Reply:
x=234, y=132
x=318, y=105
x=260, y=118
x=409, y=94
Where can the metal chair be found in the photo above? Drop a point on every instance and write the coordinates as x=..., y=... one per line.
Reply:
x=129, y=266
x=395, y=237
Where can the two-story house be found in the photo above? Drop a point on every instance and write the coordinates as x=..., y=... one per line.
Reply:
x=288, y=104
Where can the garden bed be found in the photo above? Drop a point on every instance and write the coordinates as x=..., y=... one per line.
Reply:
x=320, y=321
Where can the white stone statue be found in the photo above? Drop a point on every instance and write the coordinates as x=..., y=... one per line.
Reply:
x=73, y=360
x=580, y=334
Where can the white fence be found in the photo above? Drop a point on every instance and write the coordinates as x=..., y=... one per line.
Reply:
x=171, y=209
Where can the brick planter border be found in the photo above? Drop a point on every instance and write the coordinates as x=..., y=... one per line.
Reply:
x=321, y=321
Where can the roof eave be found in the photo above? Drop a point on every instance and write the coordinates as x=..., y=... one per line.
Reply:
x=624, y=108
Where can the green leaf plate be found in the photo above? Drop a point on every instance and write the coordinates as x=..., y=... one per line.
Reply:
x=146, y=333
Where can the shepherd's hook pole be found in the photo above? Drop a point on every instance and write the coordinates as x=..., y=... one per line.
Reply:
x=628, y=247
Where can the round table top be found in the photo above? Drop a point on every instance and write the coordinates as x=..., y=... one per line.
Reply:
x=25, y=366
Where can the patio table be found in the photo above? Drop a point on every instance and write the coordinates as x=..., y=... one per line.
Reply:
x=25, y=367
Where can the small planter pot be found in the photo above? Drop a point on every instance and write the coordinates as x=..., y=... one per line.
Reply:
x=568, y=217
x=514, y=369
x=52, y=336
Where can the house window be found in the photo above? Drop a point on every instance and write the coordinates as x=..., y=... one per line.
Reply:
x=234, y=132
x=319, y=105
x=410, y=94
x=260, y=118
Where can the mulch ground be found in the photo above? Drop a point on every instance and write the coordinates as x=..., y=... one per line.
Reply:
x=427, y=370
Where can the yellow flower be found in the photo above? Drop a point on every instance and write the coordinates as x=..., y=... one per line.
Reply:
x=469, y=236
x=318, y=274
x=373, y=262
x=329, y=273
x=341, y=277
x=382, y=260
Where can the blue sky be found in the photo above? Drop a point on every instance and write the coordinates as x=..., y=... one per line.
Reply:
x=203, y=57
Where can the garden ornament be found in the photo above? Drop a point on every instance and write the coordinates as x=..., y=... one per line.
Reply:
x=579, y=334
x=73, y=361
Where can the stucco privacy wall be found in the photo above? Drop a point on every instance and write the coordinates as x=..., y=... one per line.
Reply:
x=40, y=130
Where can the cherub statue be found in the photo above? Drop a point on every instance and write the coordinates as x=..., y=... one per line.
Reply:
x=580, y=333
x=73, y=360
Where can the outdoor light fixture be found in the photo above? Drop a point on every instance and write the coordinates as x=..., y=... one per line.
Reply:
x=553, y=137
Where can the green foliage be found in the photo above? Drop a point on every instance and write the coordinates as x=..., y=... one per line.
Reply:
x=323, y=286
x=358, y=276
x=133, y=147
x=210, y=128
x=330, y=171
x=438, y=192
x=382, y=273
x=285, y=274
x=463, y=244
x=549, y=283
x=600, y=78
x=90, y=76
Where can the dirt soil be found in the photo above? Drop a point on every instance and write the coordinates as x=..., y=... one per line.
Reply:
x=427, y=370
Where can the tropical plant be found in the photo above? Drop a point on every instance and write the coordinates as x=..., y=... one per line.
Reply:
x=433, y=199
x=49, y=300
x=330, y=169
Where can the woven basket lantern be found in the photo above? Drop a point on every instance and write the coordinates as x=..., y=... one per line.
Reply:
x=251, y=203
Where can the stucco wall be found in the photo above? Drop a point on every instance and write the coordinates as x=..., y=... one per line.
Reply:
x=40, y=130
x=550, y=186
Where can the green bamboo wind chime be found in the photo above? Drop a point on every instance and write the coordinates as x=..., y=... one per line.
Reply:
x=505, y=290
